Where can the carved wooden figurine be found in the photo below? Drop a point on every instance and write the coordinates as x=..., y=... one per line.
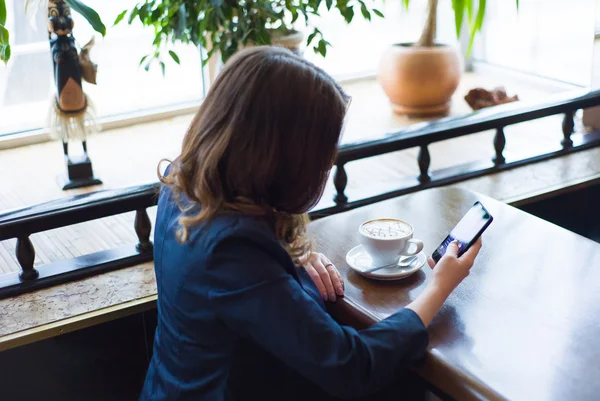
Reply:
x=71, y=115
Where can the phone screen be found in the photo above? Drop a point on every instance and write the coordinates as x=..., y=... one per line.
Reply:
x=466, y=232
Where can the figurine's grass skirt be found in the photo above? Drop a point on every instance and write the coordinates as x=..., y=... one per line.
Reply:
x=71, y=126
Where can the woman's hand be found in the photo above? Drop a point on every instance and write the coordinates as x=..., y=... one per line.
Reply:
x=326, y=277
x=451, y=270
x=448, y=273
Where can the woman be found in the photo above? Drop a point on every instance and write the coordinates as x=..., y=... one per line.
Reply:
x=237, y=319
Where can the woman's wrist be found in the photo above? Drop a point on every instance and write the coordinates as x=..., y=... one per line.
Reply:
x=441, y=287
x=430, y=301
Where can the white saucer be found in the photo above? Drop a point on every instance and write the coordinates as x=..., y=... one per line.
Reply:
x=359, y=260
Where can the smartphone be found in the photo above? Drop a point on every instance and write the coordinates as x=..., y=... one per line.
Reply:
x=467, y=231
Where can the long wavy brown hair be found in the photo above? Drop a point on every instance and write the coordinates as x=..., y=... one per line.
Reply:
x=262, y=143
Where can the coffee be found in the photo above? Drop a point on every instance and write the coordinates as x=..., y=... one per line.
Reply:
x=386, y=229
x=385, y=240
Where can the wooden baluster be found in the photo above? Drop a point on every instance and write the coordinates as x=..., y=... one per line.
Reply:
x=568, y=126
x=340, y=180
x=142, y=229
x=499, y=143
x=424, y=160
x=26, y=256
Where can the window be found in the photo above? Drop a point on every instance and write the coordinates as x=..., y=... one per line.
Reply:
x=358, y=47
x=26, y=83
x=549, y=38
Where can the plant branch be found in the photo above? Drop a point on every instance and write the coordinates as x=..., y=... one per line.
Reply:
x=428, y=36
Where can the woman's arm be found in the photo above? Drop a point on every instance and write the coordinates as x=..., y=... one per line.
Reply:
x=255, y=297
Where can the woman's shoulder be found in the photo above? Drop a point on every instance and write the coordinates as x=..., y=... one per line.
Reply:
x=242, y=253
x=235, y=228
x=225, y=231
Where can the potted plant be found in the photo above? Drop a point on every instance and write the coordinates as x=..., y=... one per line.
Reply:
x=32, y=6
x=420, y=78
x=224, y=26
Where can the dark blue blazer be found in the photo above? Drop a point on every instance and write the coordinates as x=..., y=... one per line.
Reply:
x=231, y=296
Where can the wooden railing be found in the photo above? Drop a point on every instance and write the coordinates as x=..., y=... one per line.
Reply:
x=423, y=134
x=20, y=224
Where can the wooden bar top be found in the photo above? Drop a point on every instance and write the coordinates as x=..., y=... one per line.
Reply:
x=524, y=325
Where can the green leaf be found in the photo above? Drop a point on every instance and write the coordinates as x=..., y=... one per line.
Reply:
x=209, y=55
x=378, y=13
x=156, y=14
x=459, y=10
x=517, y=5
x=119, y=17
x=348, y=14
x=364, y=11
x=162, y=68
x=480, y=15
x=303, y=11
x=4, y=36
x=469, y=6
x=143, y=12
x=406, y=3
x=174, y=56
x=2, y=12
x=229, y=51
x=311, y=37
x=322, y=47
x=5, y=53
x=262, y=36
x=328, y=3
x=228, y=12
x=477, y=26
x=134, y=13
x=89, y=14
x=247, y=35
x=143, y=59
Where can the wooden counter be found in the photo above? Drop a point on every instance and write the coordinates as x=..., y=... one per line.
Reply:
x=523, y=326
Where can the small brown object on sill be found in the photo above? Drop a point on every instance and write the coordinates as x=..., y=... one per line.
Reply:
x=480, y=98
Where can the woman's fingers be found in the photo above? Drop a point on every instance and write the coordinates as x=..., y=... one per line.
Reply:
x=325, y=277
x=324, y=274
x=316, y=278
x=473, y=251
x=431, y=262
x=452, y=249
x=341, y=279
x=336, y=278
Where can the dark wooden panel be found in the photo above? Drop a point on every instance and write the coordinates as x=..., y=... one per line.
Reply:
x=577, y=211
x=105, y=362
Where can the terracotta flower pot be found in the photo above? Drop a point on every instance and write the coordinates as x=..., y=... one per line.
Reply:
x=420, y=80
x=290, y=40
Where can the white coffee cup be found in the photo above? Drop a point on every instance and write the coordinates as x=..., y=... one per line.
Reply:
x=387, y=239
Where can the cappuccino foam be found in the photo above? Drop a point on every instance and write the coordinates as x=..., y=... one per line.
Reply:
x=385, y=229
